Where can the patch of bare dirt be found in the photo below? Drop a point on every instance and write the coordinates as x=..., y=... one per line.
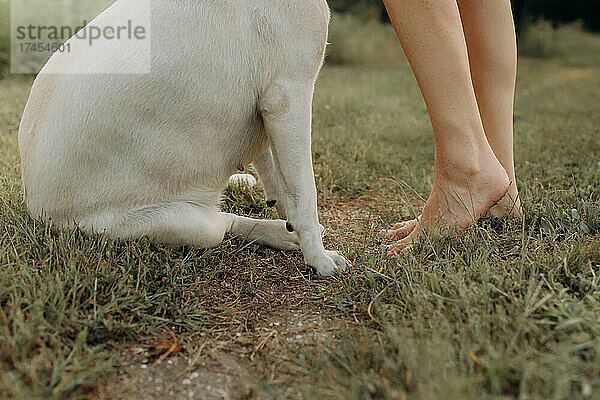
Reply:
x=226, y=365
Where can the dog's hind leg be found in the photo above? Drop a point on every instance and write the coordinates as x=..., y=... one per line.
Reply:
x=174, y=224
x=188, y=223
x=272, y=233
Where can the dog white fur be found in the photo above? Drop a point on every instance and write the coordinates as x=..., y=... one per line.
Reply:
x=149, y=154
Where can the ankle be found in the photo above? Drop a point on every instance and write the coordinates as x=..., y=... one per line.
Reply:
x=462, y=146
x=471, y=167
x=461, y=164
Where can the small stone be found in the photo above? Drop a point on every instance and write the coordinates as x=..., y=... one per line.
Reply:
x=144, y=366
x=186, y=382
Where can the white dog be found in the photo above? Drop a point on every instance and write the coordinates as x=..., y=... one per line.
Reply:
x=137, y=155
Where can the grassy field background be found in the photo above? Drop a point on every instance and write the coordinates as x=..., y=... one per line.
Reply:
x=512, y=310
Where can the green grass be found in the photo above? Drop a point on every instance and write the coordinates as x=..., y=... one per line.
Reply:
x=512, y=310
x=362, y=41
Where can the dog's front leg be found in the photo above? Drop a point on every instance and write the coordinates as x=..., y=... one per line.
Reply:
x=271, y=181
x=286, y=108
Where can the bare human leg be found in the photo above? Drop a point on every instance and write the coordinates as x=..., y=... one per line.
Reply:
x=468, y=177
x=491, y=40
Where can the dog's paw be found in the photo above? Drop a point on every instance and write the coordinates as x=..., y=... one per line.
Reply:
x=329, y=263
x=341, y=263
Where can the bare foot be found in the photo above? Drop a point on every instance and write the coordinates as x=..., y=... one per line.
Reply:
x=457, y=201
x=509, y=206
x=400, y=230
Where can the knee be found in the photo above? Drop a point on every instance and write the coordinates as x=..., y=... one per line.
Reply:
x=275, y=101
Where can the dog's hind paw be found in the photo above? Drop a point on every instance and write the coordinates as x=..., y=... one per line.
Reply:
x=279, y=237
x=242, y=180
